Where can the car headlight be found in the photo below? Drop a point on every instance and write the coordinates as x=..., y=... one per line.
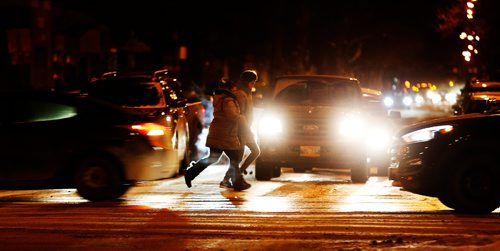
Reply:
x=351, y=127
x=407, y=101
x=426, y=134
x=270, y=125
x=378, y=138
x=388, y=101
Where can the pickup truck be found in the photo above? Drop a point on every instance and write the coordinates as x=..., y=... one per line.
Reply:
x=313, y=121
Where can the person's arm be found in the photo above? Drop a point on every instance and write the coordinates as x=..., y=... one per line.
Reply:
x=231, y=109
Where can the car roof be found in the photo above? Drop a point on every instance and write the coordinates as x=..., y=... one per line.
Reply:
x=282, y=83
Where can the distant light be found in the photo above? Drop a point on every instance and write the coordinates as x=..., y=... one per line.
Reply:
x=467, y=59
x=484, y=85
x=470, y=47
x=466, y=53
x=470, y=37
x=470, y=12
x=470, y=5
x=463, y=35
x=469, y=16
x=477, y=38
x=451, y=84
x=451, y=97
x=475, y=51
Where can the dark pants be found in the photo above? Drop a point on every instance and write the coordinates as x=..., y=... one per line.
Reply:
x=214, y=156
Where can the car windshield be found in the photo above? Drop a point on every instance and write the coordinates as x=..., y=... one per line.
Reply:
x=318, y=92
x=127, y=93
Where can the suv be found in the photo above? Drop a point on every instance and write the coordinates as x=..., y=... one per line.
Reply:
x=313, y=121
x=141, y=95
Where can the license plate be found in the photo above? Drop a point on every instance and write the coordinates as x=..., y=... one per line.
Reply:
x=309, y=151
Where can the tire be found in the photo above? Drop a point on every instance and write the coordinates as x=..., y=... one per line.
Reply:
x=383, y=171
x=446, y=201
x=472, y=186
x=299, y=169
x=276, y=171
x=359, y=174
x=263, y=170
x=99, y=178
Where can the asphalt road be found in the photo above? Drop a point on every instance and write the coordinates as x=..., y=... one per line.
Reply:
x=318, y=210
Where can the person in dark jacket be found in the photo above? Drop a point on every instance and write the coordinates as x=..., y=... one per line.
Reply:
x=223, y=137
x=243, y=92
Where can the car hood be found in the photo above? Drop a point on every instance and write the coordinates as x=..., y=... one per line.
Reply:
x=315, y=112
x=442, y=121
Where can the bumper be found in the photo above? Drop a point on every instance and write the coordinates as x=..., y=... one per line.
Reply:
x=414, y=167
x=312, y=154
x=147, y=162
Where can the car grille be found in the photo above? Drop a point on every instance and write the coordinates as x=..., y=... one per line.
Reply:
x=316, y=128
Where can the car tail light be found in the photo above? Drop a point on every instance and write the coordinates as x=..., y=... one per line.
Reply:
x=150, y=129
x=158, y=135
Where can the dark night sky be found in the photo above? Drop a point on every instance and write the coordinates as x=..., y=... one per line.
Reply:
x=395, y=33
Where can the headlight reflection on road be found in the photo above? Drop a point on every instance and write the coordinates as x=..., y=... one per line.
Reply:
x=367, y=199
x=268, y=204
x=257, y=202
x=154, y=201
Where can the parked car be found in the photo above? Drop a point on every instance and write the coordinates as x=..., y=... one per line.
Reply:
x=455, y=159
x=312, y=121
x=142, y=95
x=54, y=140
x=476, y=96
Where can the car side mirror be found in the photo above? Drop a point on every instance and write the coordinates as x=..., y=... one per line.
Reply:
x=179, y=103
x=395, y=114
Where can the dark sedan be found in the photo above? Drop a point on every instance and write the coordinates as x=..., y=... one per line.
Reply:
x=52, y=140
x=455, y=159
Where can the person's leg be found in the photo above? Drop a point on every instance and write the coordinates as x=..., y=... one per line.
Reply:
x=239, y=183
x=198, y=167
x=229, y=173
x=254, y=153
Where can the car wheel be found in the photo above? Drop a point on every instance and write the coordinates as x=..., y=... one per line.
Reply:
x=383, y=170
x=276, y=171
x=473, y=186
x=299, y=169
x=359, y=174
x=99, y=178
x=263, y=170
x=446, y=201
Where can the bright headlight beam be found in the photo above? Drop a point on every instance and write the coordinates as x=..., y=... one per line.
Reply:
x=350, y=127
x=270, y=125
x=426, y=134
